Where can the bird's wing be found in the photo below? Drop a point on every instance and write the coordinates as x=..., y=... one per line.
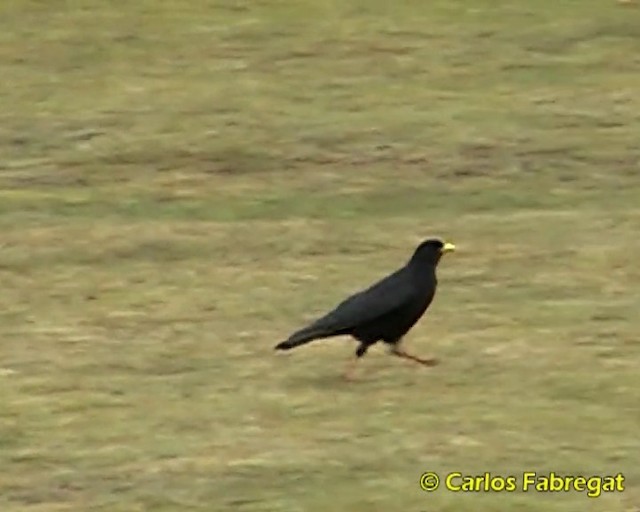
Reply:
x=384, y=296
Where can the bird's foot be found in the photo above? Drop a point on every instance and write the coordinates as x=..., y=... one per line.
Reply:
x=432, y=361
x=347, y=377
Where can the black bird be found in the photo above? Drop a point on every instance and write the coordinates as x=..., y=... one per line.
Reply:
x=386, y=311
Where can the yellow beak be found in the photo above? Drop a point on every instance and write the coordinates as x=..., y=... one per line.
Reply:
x=448, y=247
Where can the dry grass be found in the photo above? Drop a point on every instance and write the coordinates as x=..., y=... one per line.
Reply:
x=184, y=183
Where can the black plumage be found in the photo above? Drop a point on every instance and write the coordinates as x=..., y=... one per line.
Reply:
x=385, y=311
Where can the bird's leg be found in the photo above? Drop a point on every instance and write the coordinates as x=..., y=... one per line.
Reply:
x=351, y=365
x=396, y=350
x=350, y=369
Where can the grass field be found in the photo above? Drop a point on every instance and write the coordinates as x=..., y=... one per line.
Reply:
x=182, y=184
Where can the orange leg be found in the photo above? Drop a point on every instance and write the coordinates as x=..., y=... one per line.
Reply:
x=350, y=369
x=397, y=351
x=351, y=366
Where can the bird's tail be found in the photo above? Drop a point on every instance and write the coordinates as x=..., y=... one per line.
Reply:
x=302, y=337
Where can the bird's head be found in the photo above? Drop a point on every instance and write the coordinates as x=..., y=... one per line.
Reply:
x=431, y=250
